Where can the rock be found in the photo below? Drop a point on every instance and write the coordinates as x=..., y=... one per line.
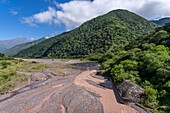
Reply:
x=39, y=76
x=5, y=96
x=130, y=92
x=79, y=100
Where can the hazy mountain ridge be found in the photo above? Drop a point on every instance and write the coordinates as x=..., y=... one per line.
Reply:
x=14, y=50
x=6, y=44
x=98, y=35
x=162, y=21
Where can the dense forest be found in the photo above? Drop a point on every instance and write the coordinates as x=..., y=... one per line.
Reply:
x=99, y=35
x=14, y=50
x=146, y=62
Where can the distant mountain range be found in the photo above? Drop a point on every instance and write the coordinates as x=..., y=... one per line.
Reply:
x=162, y=21
x=97, y=36
x=14, y=50
x=6, y=44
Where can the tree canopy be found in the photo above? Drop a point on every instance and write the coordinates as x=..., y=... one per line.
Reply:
x=146, y=62
x=97, y=36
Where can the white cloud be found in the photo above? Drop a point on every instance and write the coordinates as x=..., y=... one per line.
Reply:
x=155, y=8
x=75, y=12
x=45, y=17
x=13, y=12
x=42, y=17
x=47, y=37
x=32, y=39
x=29, y=20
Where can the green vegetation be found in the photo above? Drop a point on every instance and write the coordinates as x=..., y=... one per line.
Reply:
x=108, y=39
x=146, y=62
x=35, y=67
x=9, y=79
x=14, y=50
x=97, y=36
x=2, y=55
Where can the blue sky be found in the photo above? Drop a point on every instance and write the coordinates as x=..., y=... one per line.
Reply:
x=40, y=18
x=12, y=12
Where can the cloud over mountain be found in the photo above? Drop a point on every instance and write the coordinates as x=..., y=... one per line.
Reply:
x=75, y=12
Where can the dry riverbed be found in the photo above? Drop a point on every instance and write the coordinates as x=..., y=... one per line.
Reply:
x=64, y=87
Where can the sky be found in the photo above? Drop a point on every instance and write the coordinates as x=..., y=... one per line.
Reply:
x=41, y=18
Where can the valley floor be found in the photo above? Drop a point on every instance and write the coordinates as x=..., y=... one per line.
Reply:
x=78, y=90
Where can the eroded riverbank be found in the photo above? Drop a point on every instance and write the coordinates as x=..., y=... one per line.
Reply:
x=80, y=91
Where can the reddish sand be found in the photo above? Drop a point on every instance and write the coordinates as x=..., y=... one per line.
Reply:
x=108, y=99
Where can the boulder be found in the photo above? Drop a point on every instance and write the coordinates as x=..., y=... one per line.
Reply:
x=39, y=76
x=130, y=92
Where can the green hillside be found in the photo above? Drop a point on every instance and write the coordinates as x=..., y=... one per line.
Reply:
x=160, y=36
x=13, y=51
x=162, y=21
x=146, y=62
x=98, y=35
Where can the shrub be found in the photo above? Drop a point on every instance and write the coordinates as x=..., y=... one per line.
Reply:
x=4, y=66
x=150, y=95
x=94, y=58
x=34, y=62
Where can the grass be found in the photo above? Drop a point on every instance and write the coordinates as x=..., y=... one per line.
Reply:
x=35, y=67
x=10, y=79
x=62, y=69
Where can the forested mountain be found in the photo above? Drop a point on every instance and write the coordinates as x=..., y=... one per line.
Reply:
x=160, y=36
x=98, y=35
x=162, y=21
x=13, y=51
x=146, y=62
x=6, y=44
